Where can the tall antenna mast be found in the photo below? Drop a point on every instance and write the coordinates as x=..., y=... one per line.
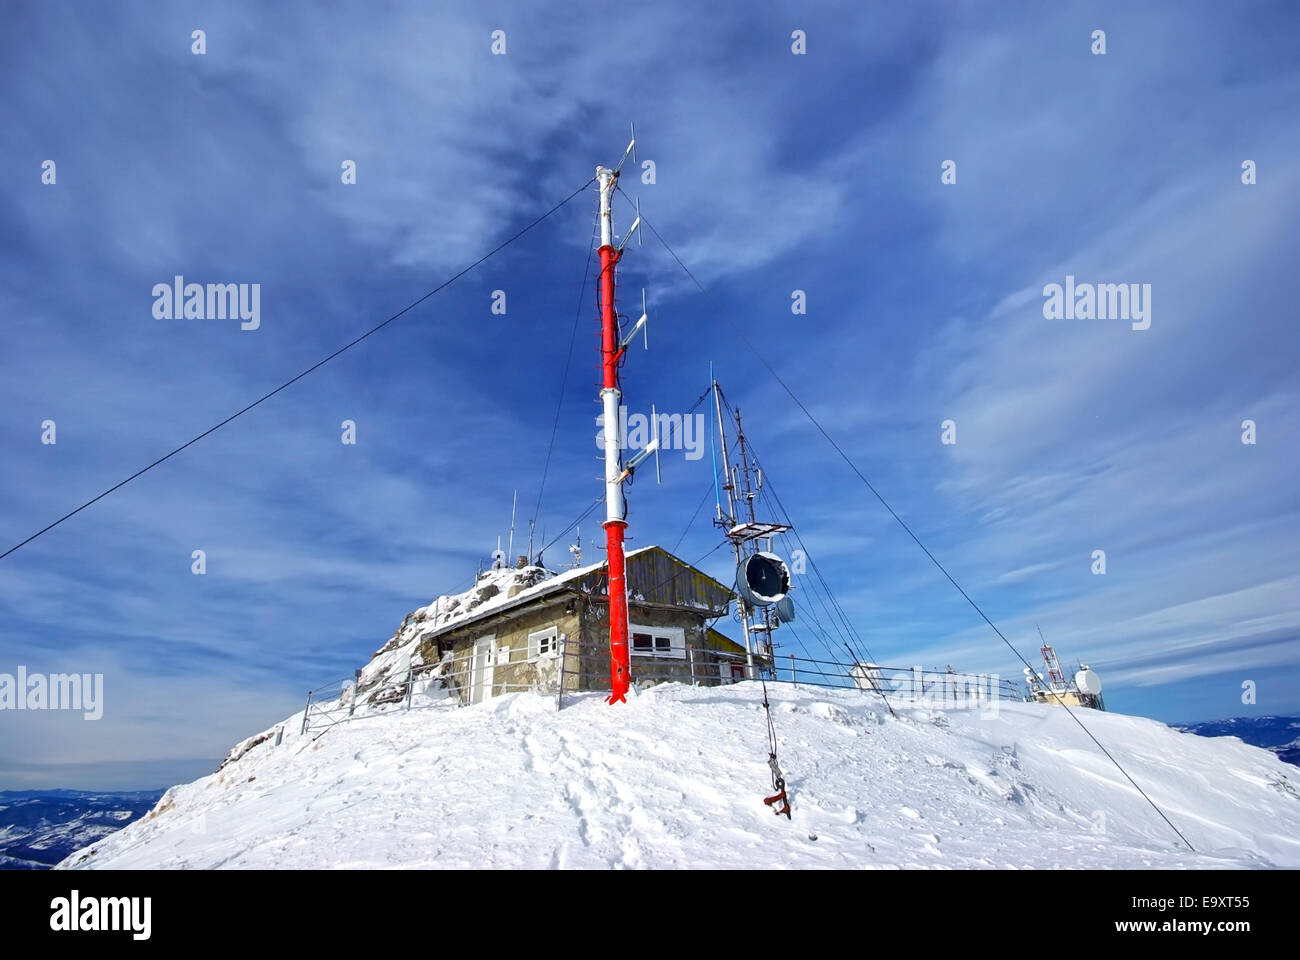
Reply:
x=741, y=533
x=728, y=522
x=1055, y=676
x=612, y=349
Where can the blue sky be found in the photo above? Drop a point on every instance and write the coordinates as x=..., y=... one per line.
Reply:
x=774, y=172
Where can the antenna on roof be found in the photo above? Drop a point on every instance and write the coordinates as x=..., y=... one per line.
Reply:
x=510, y=551
x=575, y=549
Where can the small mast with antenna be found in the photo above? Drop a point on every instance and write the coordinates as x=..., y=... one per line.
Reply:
x=575, y=549
x=742, y=532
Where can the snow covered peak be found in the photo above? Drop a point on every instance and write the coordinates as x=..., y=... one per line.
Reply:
x=675, y=777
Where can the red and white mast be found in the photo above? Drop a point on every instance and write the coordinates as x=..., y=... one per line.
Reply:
x=611, y=351
x=610, y=398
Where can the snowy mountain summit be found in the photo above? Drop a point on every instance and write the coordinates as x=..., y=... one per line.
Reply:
x=675, y=778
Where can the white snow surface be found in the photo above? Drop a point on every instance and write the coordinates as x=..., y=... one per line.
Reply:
x=675, y=778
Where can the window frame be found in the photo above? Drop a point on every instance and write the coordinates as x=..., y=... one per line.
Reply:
x=536, y=637
x=676, y=637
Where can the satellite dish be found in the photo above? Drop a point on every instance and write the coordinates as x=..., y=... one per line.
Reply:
x=762, y=579
x=1088, y=682
x=785, y=610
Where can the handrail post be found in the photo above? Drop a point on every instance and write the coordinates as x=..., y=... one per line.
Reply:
x=559, y=683
x=794, y=679
x=690, y=655
x=305, y=710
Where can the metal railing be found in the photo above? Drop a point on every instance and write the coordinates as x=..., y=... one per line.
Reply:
x=341, y=701
x=915, y=682
x=471, y=677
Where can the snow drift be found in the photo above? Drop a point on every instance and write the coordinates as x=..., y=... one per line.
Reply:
x=675, y=779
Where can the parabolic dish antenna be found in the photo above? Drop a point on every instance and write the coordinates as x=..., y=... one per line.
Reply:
x=763, y=579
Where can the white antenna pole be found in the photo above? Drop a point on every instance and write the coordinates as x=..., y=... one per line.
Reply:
x=510, y=550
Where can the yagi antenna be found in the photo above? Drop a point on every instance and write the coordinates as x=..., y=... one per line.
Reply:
x=629, y=152
x=635, y=228
x=651, y=448
x=641, y=325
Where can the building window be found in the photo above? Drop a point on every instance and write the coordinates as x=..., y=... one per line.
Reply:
x=668, y=642
x=543, y=642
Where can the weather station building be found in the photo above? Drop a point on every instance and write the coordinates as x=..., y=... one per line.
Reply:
x=524, y=628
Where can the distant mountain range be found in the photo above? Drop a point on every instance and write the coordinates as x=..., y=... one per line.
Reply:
x=1279, y=734
x=38, y=828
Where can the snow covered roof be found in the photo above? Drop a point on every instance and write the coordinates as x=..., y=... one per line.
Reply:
x=496, y=591
x=502, y=600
